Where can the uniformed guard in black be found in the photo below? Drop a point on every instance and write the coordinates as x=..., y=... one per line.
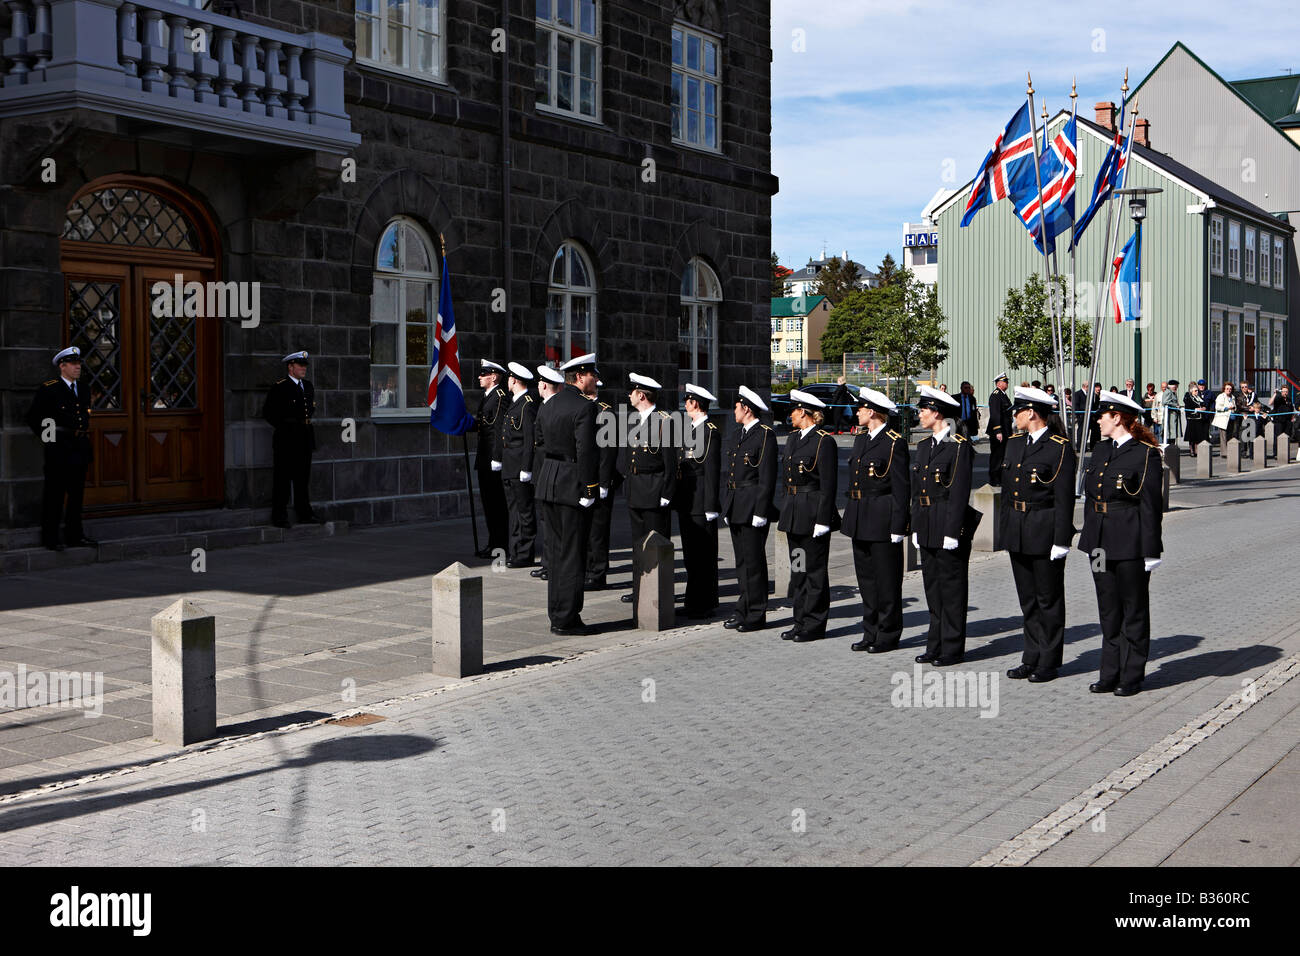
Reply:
x=488, y=466
x=1036, y=526
x=876, y=518
x=943, y=524
x=290, y=407
x=651, y=470
x=517, y=447
x=747, y=491
x=1121, y=536
x=567, y=488
x=611, y=479
x=808, y=515
x=998, y=428
x=696, y=503
x=60, y=419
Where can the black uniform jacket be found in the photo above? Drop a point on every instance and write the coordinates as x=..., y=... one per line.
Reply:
x=517, y=436
x=1282, y=411
x=651, y=461
x=941, y=480
x=289, y=409
x=1037, y=494
x=566, y=442
x=750, y=479
x=810, y=475
x=489, y=421
x=1122, y=501
x=999, y=415
x=879, y=481
x=71, y=416
x=606, y=420
x=699, y=466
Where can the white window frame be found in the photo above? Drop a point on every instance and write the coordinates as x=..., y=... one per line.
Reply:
x=1265, y=258
x=568, y=291
x=1264, y=351
x=1234, y=249
x=1279, y=340
x=1279, y=262
x=410, y=35
x=1248, y=261
x=792, y=345
x=705, y=80
x=554, y=29
x=402, y=276
x=1216, y=245
x=695, y=302
x=1216, y=347
x=1233, y=371
x=776, y=346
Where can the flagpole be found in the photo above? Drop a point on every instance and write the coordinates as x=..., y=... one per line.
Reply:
x=464, y=442
x=1042, y=217
x=1074, y=298
x=1058, y=340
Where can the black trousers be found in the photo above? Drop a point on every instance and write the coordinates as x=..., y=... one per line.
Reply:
x=643, y=521
x=750, y=546
x=997, y=450
x=1040, y=586
x=495, y=511
x=810, y=588
x=700, y=555
x=567, y=530
x=291, y=466
x=944, y=575
x=65, y=481
x=523, y=519
x=879, y=567
x=602, y=512
x=1124, y=607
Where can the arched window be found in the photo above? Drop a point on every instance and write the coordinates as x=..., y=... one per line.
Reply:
x=570, y=306
x=403, y=310
x=698, y=326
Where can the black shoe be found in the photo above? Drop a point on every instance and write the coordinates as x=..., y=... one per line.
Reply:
x=881, y=648
x=483, y=553
x=538, y=572
x=519, y=564
x=947, y=661
x=576, y=630
x=790, y=635
x=926, y=658
x=862, y=645
x=1021, y=672
x=804, y=638
x=281, y=523
x=1100, y=688
x=746, y=628
x=1127, y=690
x=593, y=584
x=731, y=623
x=626, y=599
x=1043, y=678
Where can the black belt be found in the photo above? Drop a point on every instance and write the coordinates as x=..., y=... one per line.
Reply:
x=552, y=456
x=802, y=489
x=925, y=501
x=741, y=484
x=1032, y=505
x=1103, y=507
x=858, y=495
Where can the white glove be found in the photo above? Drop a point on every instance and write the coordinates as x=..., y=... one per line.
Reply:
x=895, y=539
x=604, y=492
x=496, y=466
x=1059, y=552
x=949, y=544
x=759, y=522
x=916, y=544
x=710, y=516
x=1152, y=563
x=663, y=502
x=820, y=529
x=586, y=502
x=525, y=476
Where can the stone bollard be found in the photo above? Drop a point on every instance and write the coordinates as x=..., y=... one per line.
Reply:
x=1259, y=449
x=781, y=565
x=1204, y=460
x=1174, y=462
x=911, y=554
x=986, y=499
x=652, y=608
x=1232, y=457
x=1270, y=433
x=1165, y=477
x=184, y=674
x=1283, y=449
x=457, y=622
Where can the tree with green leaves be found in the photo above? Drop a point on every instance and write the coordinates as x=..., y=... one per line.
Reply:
x=837, y=279
x=888, y=272
x=779, y=275
x=910, y=336
x=851, y=325
x=1025, y=327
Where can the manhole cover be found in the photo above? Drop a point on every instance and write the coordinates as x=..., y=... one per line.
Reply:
x=357, y=720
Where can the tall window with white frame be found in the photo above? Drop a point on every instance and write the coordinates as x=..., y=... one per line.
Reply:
x=403, y=35
x=1216, y=245
x=1234, y=249
x=697, y=87
x=568, y=56
x=697, y=328
x=1279, y=263
x=1216, y=349
x=403, y=311
x=1250, y=254
x=1265, y=259
x=570, y=306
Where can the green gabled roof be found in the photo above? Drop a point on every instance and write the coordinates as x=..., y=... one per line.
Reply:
x=783, y=307
x=1274, y=96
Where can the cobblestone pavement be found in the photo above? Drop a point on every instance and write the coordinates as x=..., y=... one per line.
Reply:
x=702, y=746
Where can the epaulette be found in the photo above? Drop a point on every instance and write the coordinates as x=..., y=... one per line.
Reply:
x=604, y=405
x=711, y=425
x=1149, y=445
x=956, y=437
x=893, y=434
x=662, y=413
x=766, y=427
x=282, y=381
x=822, y=431
x=1059, y=440
x=53, y=381
x=528, y=398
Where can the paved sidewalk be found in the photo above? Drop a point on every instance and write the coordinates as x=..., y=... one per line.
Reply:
x=744, y=748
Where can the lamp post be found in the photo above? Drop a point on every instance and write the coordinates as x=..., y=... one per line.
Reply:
x=1137, y=209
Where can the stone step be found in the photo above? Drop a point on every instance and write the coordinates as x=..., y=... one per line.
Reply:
x=143, y=526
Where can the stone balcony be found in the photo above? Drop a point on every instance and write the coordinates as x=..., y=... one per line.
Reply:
x=183, y=72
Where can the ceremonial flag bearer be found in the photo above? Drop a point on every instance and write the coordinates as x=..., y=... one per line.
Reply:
x=60, y=419
x=875, y=519
x=517, y=446
x=747, y=507
x=699, y=466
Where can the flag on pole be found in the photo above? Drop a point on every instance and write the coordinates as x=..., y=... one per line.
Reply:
x=1109, y=177
x=446, y=397
x=1056, y=168
x=1010, y=159
x=1125, y=285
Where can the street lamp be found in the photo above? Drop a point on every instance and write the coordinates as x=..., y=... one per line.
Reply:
x=1137, y=209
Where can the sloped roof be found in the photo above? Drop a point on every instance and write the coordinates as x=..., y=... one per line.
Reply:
x=1274, y=96
x=783, y=307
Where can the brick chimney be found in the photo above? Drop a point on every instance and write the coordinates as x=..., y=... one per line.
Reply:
x=1142, y=133
x=1105, y=115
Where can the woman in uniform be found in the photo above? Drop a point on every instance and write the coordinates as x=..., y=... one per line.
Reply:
x=1121, y=536
x=875, y=519
x=1037, y=526
x=808, y=514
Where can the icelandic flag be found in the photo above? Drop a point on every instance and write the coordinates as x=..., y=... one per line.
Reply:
x=1109, y=177
x=1056, y=168
x=1003, y=169
x=446, y=398
x=1125, y=285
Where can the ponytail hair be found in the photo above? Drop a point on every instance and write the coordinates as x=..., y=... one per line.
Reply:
x=1135, y=428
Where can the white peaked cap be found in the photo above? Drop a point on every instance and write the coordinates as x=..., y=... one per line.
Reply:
x=521, y=372
x=644, y=381
x=550, y=374
x=68, y=353
x=938, y=395
x=1119, y=399
x=693, y=389
x=877, y=400
x=295, y=357
x=581, y=360
x=1036, y=396
x=800, y=397
x=750, y=398
x=489, y=367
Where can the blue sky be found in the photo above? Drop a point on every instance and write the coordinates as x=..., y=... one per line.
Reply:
x=889, y=101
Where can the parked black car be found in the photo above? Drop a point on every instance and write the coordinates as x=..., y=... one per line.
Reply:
x=823, y=390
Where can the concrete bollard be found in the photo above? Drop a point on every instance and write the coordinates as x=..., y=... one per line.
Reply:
x=1283, y=449
x=1165, y=477
x=184, y=674
x=652, y=608
x=1270, y=433
x=457, y=622
x=986, y=499
x=1174, y=462
x=1204, y=460
x=1232, y=457
x=781, y=565
x=1259, y=449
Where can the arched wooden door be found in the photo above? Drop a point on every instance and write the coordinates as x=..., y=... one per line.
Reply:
x=155, y=378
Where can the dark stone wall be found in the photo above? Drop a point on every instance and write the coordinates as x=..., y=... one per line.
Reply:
x=432, y=152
